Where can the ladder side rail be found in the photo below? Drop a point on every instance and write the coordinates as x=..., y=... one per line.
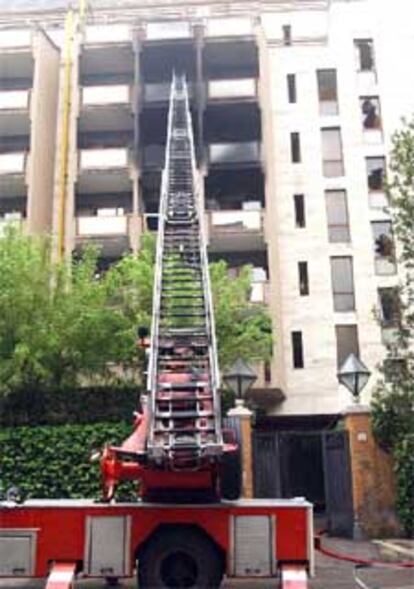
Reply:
x=213, y=354
x=157, y=291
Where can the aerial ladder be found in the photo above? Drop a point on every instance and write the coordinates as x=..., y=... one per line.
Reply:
x=178, y=444
x=187, y=527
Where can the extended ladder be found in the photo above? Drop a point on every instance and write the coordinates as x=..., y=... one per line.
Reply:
x=183, y=377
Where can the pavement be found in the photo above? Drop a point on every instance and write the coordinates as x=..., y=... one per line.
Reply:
x=330, y=573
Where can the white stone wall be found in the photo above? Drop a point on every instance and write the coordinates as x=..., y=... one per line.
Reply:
x=328, y=43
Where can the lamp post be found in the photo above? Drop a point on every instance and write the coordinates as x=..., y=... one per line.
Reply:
x=239, y=379
x=354, y=375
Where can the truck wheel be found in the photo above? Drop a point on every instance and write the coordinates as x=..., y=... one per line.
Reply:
x=179, y=558
x=231, y=475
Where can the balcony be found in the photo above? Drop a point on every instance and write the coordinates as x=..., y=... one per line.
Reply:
x=107, y=231
x=107, y=53
x=243, y=88
x=235, y=231
x=246, y=152
x=104, y=170
x=14, y=112
x=12, y=174
x=106, y=108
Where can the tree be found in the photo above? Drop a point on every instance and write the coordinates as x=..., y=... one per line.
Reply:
x=62, y=325
x=393, y=399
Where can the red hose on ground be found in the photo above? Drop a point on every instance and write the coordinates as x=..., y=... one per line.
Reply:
x=361, y=561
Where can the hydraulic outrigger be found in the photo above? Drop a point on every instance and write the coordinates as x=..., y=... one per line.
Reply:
x=180, y=531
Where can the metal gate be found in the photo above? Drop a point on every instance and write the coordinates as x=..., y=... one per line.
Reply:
x=314, y=464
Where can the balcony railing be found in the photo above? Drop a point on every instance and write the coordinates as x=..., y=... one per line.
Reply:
x=240, y=88
x=259, y=292
x=107, y=34
x=106, y=95
x=229, y=27
x=168, y=30
x=101, y=226
x=101, y=159
x=12, y=163
x=15, y=38
x=242, y=152
x=14, y=99
x=229, y=222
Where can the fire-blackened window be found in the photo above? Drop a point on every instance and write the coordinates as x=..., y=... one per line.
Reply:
x=384, y=248
x=364, y=53
x=370, y=112
x=375, y=172
x=389, y=307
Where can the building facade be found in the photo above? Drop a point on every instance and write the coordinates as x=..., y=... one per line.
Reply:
x=294, y=104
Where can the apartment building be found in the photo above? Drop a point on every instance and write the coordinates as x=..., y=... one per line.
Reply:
x=29, y=85
x=294, y=103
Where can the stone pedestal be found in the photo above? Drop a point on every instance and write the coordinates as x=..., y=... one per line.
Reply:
x=244, y=417
x=373, y=482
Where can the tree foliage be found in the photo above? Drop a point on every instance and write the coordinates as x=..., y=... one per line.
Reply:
x=63, y=325
x=393, y=399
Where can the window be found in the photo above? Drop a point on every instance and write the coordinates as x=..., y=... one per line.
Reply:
x=291, y=85
x=389, y=307
x=297, y=349
x=337, y=215
x=295, y=147
x=375, y=172
x=303, y=278
x=370, y=113
x=287, y=34
x=343, y=284
x=346, y=342
x=327, y=92
x=364, y=55
x=384, y=250
x=267, y=372
x=300, y=214
x=332, y=153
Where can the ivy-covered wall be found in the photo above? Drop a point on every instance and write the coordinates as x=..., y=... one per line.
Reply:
x=54, y=461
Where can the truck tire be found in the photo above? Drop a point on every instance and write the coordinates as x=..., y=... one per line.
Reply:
x=231, y=475
x=180, y=557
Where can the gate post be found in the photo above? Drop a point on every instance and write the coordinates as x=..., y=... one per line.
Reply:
x=373, y=482
x=244, y=418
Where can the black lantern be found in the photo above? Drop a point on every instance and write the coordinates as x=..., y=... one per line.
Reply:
x=354, y=375
x=240, y=378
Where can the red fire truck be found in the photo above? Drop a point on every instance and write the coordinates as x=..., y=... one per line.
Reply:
x=188, y=528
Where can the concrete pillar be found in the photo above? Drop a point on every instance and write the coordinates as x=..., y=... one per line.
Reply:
x=243, y=415
x=373, y=482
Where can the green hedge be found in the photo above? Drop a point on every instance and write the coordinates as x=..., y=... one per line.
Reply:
x=53, y=461
x=87, y=405
x=404, y=456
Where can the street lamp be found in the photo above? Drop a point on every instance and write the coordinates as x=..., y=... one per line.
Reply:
x=240, y=378
x=354, y=375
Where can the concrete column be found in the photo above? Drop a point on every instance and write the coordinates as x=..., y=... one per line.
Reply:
x=373, y=482
x=244, y=418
